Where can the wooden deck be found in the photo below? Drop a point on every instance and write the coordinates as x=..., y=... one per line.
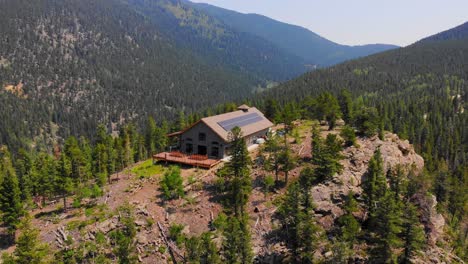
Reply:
x=200, y=161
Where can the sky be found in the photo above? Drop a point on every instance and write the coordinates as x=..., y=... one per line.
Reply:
x=357, y=22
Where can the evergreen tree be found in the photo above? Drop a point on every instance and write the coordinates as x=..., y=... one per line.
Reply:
x=271, y=110
x=28, y=250
x=64, y=184
x=237, y=246
x=123, y=238
x=328, y=109
x=298, y=221
x=349, y=226
x=287, y=160
x=367, y=121
x=349, y=136
x=273, y=149
x=172, y=183
x=237, y=173
x=413, y=234
x=150, y=137
x=24, y=170
x=374, y=184
x=346, y=105
x=80, y=172
x=387, y=227
x=326, y=155
x=46, y=173
x=10, y=197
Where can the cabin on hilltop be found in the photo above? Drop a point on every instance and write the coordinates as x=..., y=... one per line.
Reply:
x=208, y=139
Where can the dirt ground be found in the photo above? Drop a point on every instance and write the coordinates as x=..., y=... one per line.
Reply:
x=194, y=211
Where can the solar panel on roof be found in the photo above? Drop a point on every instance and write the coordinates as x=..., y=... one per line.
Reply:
x=240, y=121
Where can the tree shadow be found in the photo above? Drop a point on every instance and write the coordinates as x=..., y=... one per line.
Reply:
x=269, y=257
x=6, y=240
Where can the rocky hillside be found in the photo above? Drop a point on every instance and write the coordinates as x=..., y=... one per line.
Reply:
x=155, y=219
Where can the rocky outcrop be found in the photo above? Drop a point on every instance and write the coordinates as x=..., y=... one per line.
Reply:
x=329, y=196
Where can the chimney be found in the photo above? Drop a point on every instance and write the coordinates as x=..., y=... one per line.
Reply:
x=244, y=108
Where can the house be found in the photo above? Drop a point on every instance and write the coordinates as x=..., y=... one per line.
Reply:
x=210, y=136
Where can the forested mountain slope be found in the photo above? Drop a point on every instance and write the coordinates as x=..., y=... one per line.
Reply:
x=314, y=49
x=218, y=42
x=421, y=92
x=460, y=32
x=79, y=63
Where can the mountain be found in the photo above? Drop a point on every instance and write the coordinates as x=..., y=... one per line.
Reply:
x=299, y=41
x=66, y=66
x=220, y=44
x=460, y=32
x=419, y=92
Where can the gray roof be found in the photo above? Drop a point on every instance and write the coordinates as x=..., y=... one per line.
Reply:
x=260, y=122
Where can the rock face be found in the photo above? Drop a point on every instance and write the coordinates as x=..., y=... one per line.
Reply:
x=329, y=196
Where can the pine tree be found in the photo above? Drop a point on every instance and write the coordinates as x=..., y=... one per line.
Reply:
x=273, y=149
x=387, y=227
x=10, y=197
x=46, y=173
x=64, y=184
x=172, y=183
x=346, y=105
x=326, y=155
x=237, y=173
x=150, y=136
x=123, y=238
x=287, y=160
x=349, y=136
x=328, y=109
x=237, y=245
x=374, y=184
x=80, y=172
x=271, y=110
x=349, y=226
x=29, y=250
x=296, y=216
x=24, y=170
x=413, y=234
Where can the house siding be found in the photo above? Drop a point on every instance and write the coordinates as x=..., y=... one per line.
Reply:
x=191, y=136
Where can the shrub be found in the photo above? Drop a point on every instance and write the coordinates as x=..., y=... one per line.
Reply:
x=172, y=183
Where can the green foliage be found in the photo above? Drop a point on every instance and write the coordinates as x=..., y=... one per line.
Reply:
x=28, y=249
x=236, y=173
x=147, y=169
x=123, y=238
x=10, y=196
x=328, y=109
x=326, y=155
x=236, y=246
x=298, y=223
x=367, y=121
x=172, y=183
x=413, y=233
x=220, y=222
x=268, y=183
x=202, y=250
x=175, y=233
x=374, y=183
x=349, y=135
x=346, y=105
x=350, y=227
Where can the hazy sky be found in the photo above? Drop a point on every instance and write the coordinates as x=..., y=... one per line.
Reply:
x=355, y=22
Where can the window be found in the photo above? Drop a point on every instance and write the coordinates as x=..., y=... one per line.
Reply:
x=201, y=136
x=215, y=143
x=214, y=151
x=189, y=148
x=189, y=139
